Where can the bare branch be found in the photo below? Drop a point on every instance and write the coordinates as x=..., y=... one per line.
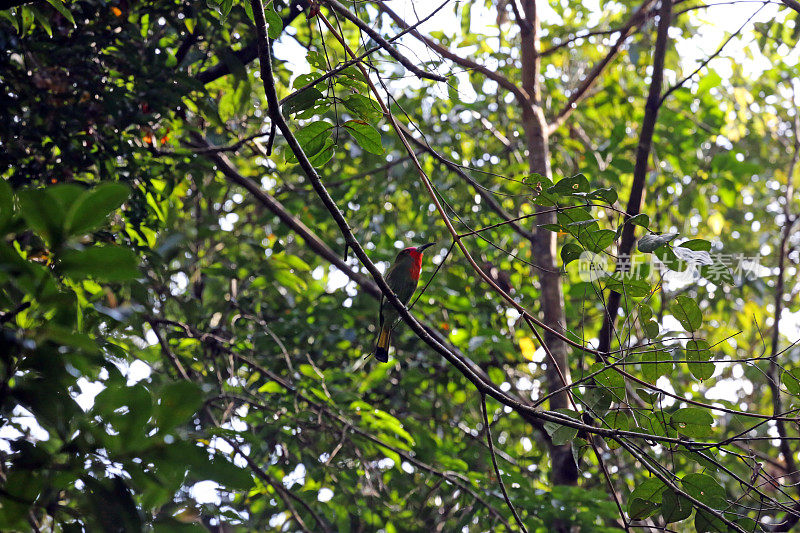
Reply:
x=496, y=468
x=249, y=52
x=375, y=36
x=794, y=4
x=504, y=82
x=639, y=16
x=709, y=58
x=636, y=197
x=774, y=373
x=487, y=196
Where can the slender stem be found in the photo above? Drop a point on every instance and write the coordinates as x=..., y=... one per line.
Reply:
x=637, y=18
x=709, y=58
x=494, y=464
x=375, y=36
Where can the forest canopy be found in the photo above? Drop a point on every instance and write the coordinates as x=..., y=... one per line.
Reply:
x=200, y=203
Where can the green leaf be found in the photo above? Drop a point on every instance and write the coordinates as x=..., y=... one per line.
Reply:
x=354, y=73
x=568, y=186
x=687, y=312
x=692, y=422
x=698, y=356
x=248, y=9
x=225, y=473
x=630, y=287
x=42, y=213
x=656, y=363
x=645, y=499
x=91, y=209
x=651, y=329
x=225, y=8
x=58, y=5
x=607, y=195
x=313, y=138
x=562, y=434
x=697, y=245
x=648, y=396
x=656, y=423
x=105, y=263
x=271, y=387
x=705, y=489
x=302, y=101
x=618, y=420
x=650, y=243
x=791, y=380
x=708, y=523
x=570, y=252
x=42, y=20
x=675, y=507
x=599, y=240
x=68, y=337
x=609, y=379
x=65, y=194
x=365, y=135
x=274, y=22
x=177, y=403
x=717, y=272
x=641, y=219
x=113, y=504
x=597, y=400
x=130, y=424
x=670, y=260
x=579, y=223
x=366, y=108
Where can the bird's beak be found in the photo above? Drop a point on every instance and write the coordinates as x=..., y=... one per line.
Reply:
x=422, y=248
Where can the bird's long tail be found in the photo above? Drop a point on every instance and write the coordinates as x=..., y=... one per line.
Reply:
x=382, y=348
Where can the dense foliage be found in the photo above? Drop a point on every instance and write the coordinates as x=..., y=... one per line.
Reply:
x=183, y=323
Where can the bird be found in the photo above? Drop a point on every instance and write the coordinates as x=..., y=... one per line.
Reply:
x=402, y=277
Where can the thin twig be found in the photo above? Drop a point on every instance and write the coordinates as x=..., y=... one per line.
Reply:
x=496, y=468
x=709, y=58
x=375, y=36
x=637, y=18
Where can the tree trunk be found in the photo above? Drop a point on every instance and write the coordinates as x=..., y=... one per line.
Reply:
x=637, y=194
x=563, y=468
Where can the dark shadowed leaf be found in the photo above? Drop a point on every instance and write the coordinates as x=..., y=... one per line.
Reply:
x=90, y=210
x=104, y=263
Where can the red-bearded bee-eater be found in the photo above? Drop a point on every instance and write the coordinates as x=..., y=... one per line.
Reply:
x=402, y=277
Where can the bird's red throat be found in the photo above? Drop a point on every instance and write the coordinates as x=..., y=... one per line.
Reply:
x=416, y=266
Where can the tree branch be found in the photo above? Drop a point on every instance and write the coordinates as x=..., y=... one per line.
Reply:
x=794, y=4
x=490, y=200
x=249, y=52
x=636, y=197
x=320, y=248
x=496, y=468
x=774, y=373
x=502, y=81
x=375, y=36
x=709, y=58
x=638, y=17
